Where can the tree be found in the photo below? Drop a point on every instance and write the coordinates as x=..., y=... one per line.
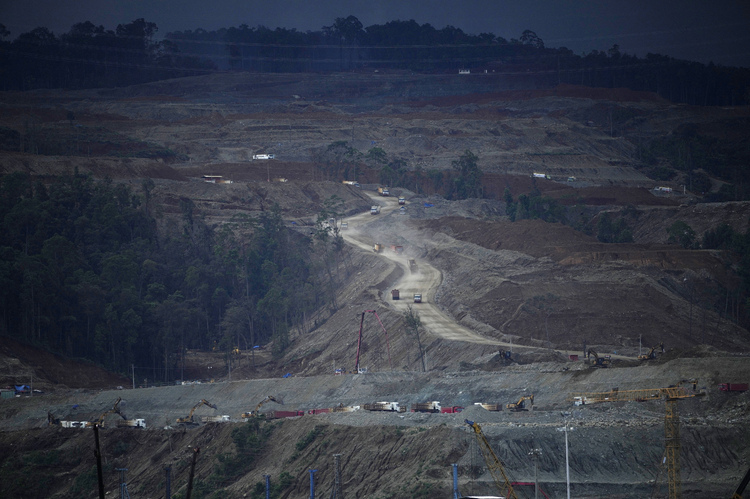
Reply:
x=468, y=183
x=680, y=232
x=413, y=323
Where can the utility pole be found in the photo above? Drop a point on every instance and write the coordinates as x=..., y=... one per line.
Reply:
x=132, y=366
x=567, y=462
x=337, y=492
x=312, y=484
x=168, y=481
x=535, y=453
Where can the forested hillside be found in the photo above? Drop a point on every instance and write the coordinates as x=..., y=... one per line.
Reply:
x=91, y=56
x=86, y=272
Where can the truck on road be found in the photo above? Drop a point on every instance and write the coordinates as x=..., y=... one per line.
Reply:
x=733, y=387
x=417, y=298
x=383, y=191
x=384, y=406
x=375, y=210
x=433, y=406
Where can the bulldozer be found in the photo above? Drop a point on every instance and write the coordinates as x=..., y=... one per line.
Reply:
x=189, y=419
x=521, y=404
x=255, y=412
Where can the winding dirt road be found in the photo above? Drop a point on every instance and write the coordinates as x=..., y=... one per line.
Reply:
x=425, y=280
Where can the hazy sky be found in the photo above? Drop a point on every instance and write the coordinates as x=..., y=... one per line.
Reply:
x=699, y=30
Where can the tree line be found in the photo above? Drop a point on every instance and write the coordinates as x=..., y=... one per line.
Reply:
x=86, y=271
x=91, y=56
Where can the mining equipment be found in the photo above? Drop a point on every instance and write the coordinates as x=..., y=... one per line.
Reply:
x=114, y=410
x=494, y=464
x=377, y=247
x=489, y=407
x=433, y=407
x=413, y=266
x=417, y=297
x=384, y=406
x=652, y=353
x=52, y=420
x=394, y=294
x=189, y=419
x=255, y=412
x=521, y=404
x=672, y=395
x=597, y=361
x=357, y=368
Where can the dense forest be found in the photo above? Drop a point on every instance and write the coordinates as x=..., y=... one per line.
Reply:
x=85, y=271
x=90, y=56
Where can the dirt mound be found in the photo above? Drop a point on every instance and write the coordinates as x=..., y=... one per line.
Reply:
x=23, y=364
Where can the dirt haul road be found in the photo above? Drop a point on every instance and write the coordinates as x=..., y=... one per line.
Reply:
x=425, y=280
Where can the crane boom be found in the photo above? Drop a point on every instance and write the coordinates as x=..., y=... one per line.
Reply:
x=497, y=470
x=672, y=395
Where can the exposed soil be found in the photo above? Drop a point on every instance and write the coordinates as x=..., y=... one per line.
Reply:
x=541, y=290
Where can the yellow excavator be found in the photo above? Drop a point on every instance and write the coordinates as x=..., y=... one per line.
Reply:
x=189, y=419
x=114, y=410
x=652, y=353
x=521, y=404
x=598, y=361
x=254, y=412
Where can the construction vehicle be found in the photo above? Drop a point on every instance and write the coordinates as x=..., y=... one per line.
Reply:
x=402, y=200
x=216, y=419
x=384, y=406
x=344, y=225
x=743, y=485
x=353, y=183
x=597, y=361
x=132, y=423
x=494, y=465
x=652, y=353
x=394, y=294
x=733, y=387
x=375, y=210
x=255, y=412
x=52, y=420
x=377, y=247
x=188, y=420
x=345, y=408
x=284, y=414
x=489, y=407
x=114, y=410
x=433, y=407
x=417, y=297
x=413, y=266
x=357, y=368
x=521, y=404
x=383, y=191
x=455, y=409
x=397, y=248
x=672, y=395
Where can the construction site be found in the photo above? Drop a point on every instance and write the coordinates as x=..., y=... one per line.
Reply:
x=468, y=355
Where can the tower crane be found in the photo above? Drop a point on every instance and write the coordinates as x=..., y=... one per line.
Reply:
x=672, y=395
x=359, y=342
x=494, y=464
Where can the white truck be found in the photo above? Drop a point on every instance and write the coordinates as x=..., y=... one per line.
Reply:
x=375, y=210
x=384, y=406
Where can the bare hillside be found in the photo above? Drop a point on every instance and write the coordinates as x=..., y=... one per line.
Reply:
x=544, y=292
